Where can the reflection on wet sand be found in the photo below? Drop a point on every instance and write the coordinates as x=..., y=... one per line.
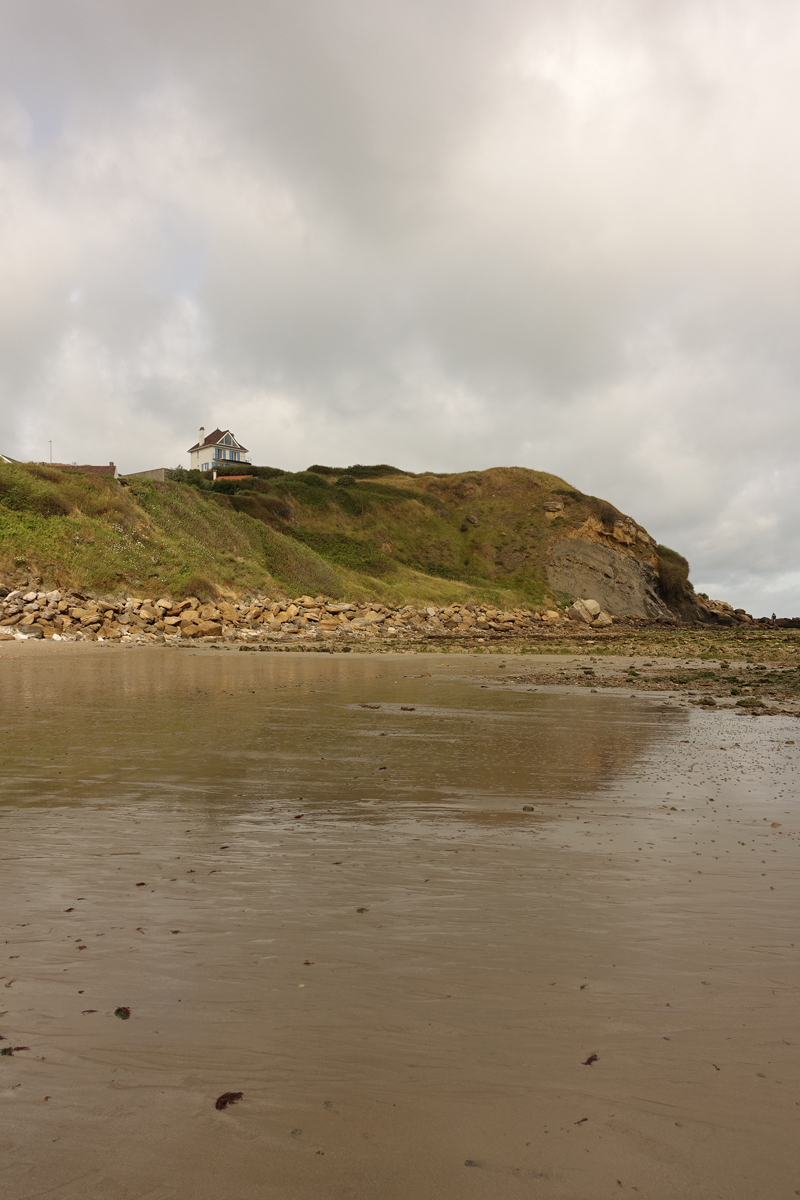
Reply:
x=344, y=913
x=335, y=731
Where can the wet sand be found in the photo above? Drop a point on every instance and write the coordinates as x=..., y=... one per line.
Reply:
x=344, y=913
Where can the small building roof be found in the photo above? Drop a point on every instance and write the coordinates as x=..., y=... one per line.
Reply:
x=215, y=439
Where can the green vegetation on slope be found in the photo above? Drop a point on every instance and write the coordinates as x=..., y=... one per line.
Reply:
x=385, y=534
x=89, y=531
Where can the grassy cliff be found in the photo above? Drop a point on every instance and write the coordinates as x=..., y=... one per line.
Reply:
x=355, y=532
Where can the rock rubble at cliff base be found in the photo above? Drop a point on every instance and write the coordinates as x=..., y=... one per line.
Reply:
x=74, y=615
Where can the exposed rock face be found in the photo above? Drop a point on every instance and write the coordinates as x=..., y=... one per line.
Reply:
x=622, y=584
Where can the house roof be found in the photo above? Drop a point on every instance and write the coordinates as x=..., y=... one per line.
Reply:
x=215, y=439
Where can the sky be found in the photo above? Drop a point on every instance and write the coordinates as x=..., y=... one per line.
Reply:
x=443, y=234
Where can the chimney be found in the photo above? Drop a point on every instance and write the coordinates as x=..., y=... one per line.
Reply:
x=202, y=434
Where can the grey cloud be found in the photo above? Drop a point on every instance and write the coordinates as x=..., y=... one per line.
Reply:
x=447, y=234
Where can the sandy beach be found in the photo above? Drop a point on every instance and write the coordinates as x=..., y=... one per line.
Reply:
x=449, y=936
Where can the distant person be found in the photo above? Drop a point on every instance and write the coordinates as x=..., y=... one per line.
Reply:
x=774, y=618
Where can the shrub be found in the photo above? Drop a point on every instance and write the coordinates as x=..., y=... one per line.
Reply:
x=362, y=472
x=673, y=575
x=263, y=508
x=605, y=512
x=199, y=586
x=49, y=505
x=312, y=479
x=346, y=481
x=240, y=468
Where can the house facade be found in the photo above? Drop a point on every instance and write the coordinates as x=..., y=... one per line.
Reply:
x=220, y=446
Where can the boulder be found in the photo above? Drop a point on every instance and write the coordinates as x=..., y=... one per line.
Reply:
x=579, y=612
x=593, y=607
x=203, y=629
x=602, y=620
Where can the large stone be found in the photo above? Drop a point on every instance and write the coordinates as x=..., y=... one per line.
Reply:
x=602, y=620
x=203, y=629
x=593, y=607
x=579, y=612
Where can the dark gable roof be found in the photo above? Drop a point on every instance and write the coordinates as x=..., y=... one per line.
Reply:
x=215, y=439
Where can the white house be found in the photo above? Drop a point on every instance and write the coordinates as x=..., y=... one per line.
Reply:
x=220, y=446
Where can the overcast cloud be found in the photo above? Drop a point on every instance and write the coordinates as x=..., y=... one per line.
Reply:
x=438, y=233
